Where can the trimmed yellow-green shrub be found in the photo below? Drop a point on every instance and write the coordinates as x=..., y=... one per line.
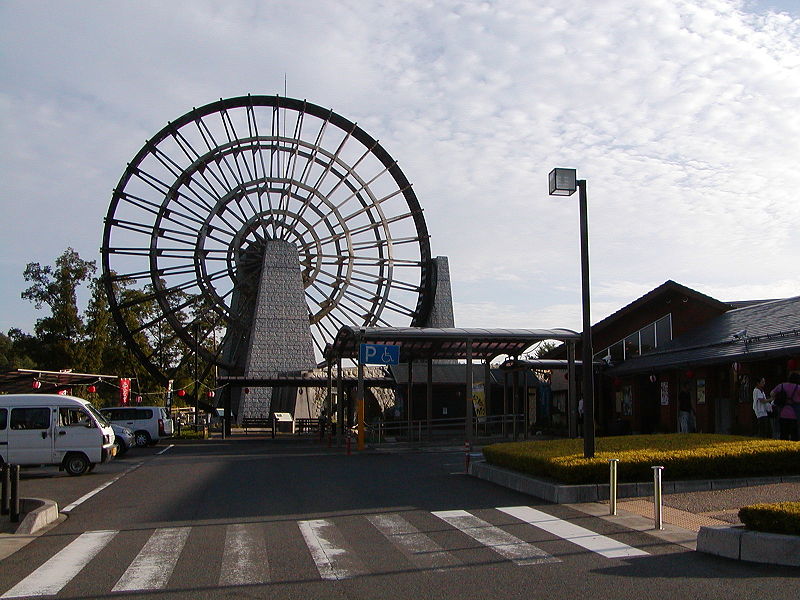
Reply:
x=782, y=517
x=684, y=456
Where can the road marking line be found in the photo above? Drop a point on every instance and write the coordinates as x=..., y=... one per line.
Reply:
x=415, y=545
x=244, y=560
x=333, y=558
x=85, y=497
x=57, y=572
x=585, y=538
x=165, y=449
x=153, y=566
x=502, y=542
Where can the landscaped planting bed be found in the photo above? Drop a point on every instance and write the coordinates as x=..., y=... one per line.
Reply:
x=781, y=517
x=684, y=456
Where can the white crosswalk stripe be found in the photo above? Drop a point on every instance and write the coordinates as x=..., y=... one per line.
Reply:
x=244, y=558
x=506, y=545
x=57, y=572
x=152, y=567
x=332, y=555
x=420, y=549
x=605, y=546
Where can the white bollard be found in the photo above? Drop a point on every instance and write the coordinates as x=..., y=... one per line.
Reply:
x=612, y=486
x=657, y=497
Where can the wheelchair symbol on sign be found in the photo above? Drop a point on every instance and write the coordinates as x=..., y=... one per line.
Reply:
x=379, y=354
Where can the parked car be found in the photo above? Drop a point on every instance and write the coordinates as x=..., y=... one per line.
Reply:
x=148, y=423
x=50, y=429
x=123, y=438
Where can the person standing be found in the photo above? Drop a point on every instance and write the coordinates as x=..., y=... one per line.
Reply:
x=788, y=407
x=684, y=409
x=762, y=408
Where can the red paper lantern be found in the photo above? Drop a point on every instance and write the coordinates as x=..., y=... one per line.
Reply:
x=37, y=384
x=210, y=394
x=653, y=378
x=139, y=399
x=792, y=364
x=689, y=374
x=181, y=393
x=617, y=382
x=91, y=389
x=246, y=390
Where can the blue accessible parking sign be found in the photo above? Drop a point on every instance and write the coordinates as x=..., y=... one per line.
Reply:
x=379, y=354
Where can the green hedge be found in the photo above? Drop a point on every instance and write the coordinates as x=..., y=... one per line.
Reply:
x=683, y=456
x=782, y=517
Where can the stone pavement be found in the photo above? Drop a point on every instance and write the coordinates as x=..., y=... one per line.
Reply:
x=684, y=514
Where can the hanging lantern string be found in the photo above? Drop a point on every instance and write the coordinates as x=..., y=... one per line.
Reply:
x=201, y=386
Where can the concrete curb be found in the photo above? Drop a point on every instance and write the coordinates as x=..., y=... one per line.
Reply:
x=39, y=513
x=739, y=543
x=576, y=494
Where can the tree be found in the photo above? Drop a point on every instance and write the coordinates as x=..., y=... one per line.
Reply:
x=16, y=350
x=61, y=332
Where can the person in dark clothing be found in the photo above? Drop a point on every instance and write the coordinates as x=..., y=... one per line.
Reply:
x=684, y=410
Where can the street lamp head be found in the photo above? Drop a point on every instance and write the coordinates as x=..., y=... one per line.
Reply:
x=563, y=182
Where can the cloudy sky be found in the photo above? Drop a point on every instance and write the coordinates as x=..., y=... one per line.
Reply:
x=682, y=115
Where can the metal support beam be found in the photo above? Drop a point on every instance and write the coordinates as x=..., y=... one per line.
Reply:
x=410, y=400
x=469, y=408
x=339, y=402
x=487, y=388
x=429, y=400
x=505, y=404
x=515, y=404
x=572, y=395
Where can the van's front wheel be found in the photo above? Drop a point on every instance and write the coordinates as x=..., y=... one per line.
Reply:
x=76, y=464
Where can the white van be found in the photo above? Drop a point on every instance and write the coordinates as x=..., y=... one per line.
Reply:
x=48, y=429
x=148, y=423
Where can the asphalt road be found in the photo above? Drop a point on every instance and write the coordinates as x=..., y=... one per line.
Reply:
x=280, y=519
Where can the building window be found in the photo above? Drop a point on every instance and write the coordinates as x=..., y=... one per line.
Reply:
x=617, y=353
x=664, y=330
x=632, y=345
x=647, y=338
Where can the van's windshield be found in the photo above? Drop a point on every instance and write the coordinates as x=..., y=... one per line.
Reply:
x=98, y=415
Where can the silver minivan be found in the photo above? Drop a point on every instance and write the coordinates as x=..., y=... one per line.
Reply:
x=50, y=429
x=148, y=423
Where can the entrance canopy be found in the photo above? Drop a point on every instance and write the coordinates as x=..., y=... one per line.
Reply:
x=28, y=381
x=421, y=343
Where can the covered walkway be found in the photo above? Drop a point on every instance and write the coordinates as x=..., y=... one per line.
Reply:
x=420, y=344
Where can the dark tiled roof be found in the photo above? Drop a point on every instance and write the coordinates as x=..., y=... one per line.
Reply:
x=752, y=332
x=667, y=286
x=419, y=343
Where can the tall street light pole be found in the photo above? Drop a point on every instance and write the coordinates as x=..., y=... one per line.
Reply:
x=564, y=182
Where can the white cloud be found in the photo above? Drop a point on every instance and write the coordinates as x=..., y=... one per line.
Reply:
x=681, y=115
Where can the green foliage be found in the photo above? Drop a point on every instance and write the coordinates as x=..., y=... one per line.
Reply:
x=57, y=287
x=191, y=434
x=683, y=456
x=782, y=517
x=93, y=343
x=18, y=350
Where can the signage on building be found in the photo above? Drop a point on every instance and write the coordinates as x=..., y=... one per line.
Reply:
x=379, y=354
